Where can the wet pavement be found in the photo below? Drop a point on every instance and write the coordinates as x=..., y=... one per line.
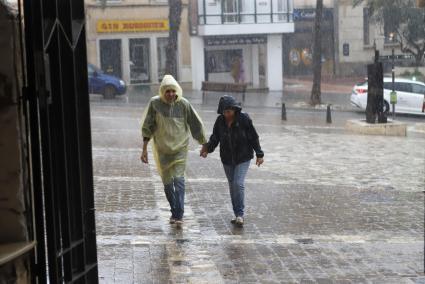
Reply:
x=326, y=207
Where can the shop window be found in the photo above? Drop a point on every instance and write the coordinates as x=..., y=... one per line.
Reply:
x=220, y=61
x=161, y=51
x=139, y=60
x=110, y=56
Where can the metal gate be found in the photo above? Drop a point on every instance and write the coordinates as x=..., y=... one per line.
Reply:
x=58, y=115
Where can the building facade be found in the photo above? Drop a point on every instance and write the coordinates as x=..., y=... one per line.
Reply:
x=298, y=46
x=239, y=41
x=358, y=35
x=127, y=38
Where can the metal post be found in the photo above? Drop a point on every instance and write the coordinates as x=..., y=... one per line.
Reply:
x=271, y=11
x=222, y=11
x=238, y=6
x=255, y=11
x=393, y=84
x=287, y=11
x=328, y=114
x=204, y=8
x=283, y=111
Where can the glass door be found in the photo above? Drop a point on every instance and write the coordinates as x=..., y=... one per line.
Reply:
x=139, y=60
x=110, y=56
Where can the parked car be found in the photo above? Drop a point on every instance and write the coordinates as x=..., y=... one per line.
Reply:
x=410, y=95
x=107, y=85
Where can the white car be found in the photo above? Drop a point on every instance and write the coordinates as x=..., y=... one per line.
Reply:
x=410, y=95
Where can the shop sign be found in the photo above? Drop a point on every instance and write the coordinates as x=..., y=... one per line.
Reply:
x=234, y=40
x=125, y=26
x=310, y=14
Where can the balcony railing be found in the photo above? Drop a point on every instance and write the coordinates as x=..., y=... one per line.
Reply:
x=218, y=16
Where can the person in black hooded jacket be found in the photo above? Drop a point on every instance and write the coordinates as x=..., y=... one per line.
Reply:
x=238, y=139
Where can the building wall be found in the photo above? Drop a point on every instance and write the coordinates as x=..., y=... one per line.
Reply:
x=351, y=31
x=137, y=10
x=13, y=179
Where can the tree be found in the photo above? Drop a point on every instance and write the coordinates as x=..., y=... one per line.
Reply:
x=174, y=18
x=404, y=20
x=315, y=97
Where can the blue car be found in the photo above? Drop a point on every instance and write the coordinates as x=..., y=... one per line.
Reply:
x=107, y=85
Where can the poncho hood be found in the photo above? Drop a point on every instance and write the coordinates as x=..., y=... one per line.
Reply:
x=168, y=82
x=227, y=102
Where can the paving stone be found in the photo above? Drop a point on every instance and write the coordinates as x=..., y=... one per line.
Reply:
x=316, y=212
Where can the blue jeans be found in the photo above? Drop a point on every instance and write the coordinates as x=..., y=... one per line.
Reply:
x=236, y=178
x=175, y=196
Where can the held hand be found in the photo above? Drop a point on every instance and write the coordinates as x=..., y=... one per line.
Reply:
x=144, y=157
x=259, y=161
x=204, y=152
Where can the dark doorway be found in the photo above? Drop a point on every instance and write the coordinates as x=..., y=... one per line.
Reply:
x=110, y=56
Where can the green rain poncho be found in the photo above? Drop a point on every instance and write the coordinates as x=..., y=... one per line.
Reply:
x=170, y=126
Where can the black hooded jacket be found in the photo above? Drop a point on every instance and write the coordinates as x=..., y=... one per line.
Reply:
x=237, y=143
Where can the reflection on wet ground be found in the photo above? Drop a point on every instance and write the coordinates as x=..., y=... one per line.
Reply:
x=327, y=207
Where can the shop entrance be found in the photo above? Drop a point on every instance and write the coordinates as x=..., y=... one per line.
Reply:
x=110, y=56
x=139, y=60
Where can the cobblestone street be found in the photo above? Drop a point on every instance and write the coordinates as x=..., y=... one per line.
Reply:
x=326, y=207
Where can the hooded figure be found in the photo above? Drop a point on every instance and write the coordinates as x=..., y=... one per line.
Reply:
x=238, y=139
x=170, y=120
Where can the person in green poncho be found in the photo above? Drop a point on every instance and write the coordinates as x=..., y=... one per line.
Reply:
x=170, y=120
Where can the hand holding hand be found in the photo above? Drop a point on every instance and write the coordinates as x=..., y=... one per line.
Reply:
x=259, y=161
x=204, y=151
x=144, y=157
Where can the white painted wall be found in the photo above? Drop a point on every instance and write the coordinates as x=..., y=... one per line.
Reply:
x=244, y=29
x=197, y=59
x=274, y=63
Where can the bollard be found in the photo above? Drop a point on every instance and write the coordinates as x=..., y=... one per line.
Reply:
x=328, y=114
x=283, y=111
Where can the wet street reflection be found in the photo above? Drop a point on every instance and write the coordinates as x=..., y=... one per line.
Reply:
x=316, y=213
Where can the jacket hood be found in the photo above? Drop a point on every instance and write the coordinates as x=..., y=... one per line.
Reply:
x=168, y=82
x=227, y=102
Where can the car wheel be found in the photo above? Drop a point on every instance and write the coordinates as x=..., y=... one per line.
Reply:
x=109, y=92
x=386, y=107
